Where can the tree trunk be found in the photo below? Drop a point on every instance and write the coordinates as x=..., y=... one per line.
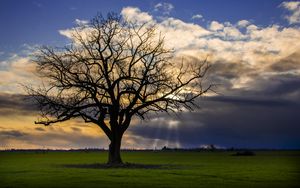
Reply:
x=114, y=155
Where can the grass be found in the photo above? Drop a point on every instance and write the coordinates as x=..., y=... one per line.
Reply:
x=176, y=169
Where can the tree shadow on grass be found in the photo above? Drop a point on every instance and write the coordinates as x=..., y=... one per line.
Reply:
x=122, y=166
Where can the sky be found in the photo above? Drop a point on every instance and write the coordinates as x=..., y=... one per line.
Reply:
x=253, y=47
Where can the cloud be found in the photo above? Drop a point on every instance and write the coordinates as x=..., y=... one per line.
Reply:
x=231, y=122
x=20, y=132
x=50, y=139
x=164, y=8
x=258, y=70
x=81, y=22
x=12, y=133
x=66, y=32
x=16, y=104
x=288, y=63
x=243, y=23
x=136, y=15
x=14, y=71
x=197, y=16
x=294, y=8
x=215, y=26
x=175, y=29
x=243, y=42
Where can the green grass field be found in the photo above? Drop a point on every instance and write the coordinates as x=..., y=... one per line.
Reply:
x=179, y=169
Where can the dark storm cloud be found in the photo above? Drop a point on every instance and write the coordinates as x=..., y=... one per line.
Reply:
x=291, y=62
x=264, y=117
x=52, y=139
x=222, y=72
x=286, y=85
x=12, y=133
x=233, y=126
x=12, y=104
x=229, y=70
x=243, y=101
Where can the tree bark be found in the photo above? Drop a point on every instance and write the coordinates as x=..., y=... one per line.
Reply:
x=114, y=155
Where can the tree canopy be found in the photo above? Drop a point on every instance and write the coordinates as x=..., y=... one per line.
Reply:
x=112, y=70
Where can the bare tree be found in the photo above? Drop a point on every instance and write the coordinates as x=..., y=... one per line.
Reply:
x=113, y=70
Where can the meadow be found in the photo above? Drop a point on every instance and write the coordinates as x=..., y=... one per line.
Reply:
x=165, y=169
